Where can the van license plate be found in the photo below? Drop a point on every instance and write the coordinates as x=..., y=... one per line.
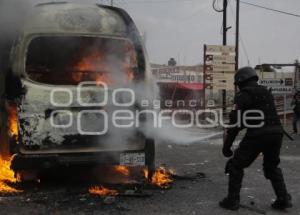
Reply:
x=132, y=159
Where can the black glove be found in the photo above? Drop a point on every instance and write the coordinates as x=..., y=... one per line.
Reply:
x=227, y=152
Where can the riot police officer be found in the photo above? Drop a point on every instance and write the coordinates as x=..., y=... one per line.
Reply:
x=296, y=109
x=264, y=135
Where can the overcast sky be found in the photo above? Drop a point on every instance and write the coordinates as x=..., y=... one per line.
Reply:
x=180, y=28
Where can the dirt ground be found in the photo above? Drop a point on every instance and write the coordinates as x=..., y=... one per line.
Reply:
x=188, y=195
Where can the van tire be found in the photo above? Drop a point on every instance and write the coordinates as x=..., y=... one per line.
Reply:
x=27, y=176
x=150, y=157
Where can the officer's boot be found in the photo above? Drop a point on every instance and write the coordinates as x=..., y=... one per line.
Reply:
x=284, y=199
x=295, y=130
x=232, y=201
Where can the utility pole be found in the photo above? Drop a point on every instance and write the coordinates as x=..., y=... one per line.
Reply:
x=112, y=2
x=297, y=72
x=237, y=34
x=225, y=3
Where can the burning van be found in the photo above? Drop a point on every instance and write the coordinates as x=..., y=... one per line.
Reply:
x=75, y=71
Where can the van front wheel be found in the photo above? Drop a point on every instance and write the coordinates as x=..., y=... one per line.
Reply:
x=150, y=157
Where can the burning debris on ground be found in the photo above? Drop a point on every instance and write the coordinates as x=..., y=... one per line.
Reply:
x=134, y=182
x=162, y=177
x=7, y=177
x=102, y=191
x=116, y=180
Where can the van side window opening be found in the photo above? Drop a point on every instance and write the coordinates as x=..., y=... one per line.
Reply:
x=71, y=60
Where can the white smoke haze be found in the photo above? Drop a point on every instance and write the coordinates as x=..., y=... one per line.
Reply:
x=13, y=14
x=169, y=134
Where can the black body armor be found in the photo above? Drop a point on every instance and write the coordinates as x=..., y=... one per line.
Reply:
x=262, y=100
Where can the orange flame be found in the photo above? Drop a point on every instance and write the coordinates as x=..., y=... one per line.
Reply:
x=99, y=67
x=102, y=191
x=162, y=177
x=124, y=170
x=130, y=75
x=6, y=175
x=92, y=62
x=13, y=130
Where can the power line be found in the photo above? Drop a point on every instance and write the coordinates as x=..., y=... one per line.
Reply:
x=216, y=9
x=271, y=9
x=214, y=3
x=152, y=1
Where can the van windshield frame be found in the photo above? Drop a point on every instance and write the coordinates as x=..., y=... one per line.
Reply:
x=70, y=60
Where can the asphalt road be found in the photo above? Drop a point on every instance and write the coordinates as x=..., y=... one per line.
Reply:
x=186, y=196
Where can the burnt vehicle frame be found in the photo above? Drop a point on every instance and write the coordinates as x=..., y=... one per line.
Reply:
x=18, y=85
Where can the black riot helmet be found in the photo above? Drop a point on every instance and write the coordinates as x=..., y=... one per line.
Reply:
x=245, y=74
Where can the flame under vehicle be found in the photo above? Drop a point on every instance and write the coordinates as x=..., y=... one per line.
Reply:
x=67, y=65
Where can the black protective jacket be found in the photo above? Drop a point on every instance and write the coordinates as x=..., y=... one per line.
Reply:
x=296, y=103
x=253, y=97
